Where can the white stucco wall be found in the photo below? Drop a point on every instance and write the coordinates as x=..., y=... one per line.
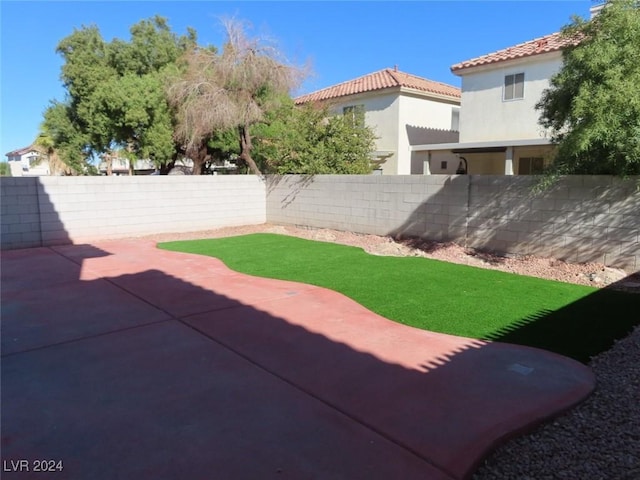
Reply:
x=485, y=116
x=442, y=163
x=381, y=113
x=16, y=168
x=20, y=165
x=389, y=113
x=419, y=112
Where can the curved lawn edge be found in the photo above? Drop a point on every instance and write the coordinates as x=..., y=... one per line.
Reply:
x=434, y=295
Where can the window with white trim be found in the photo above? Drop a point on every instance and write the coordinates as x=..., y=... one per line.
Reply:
x=354, y=114
x=514, y=86
x=455, y=119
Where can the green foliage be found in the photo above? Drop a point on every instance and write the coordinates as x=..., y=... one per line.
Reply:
x=5, y=169
x=116, y=96
x=308, y=140
x=438, y=296
x=86, y=63
x=158, y=95
x=60, y=132
x=133, y=109
x=45, y=144
x=223, y=145
x=152, y=47
x=592, y=107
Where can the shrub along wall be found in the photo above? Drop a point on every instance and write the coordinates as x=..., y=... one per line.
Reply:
x=580, y=219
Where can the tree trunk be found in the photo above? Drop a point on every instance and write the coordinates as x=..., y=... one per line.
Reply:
x=166, y=167
x=245, y=149
x=131, y=157
x=197, y=166
x=198, y=156
x=108, y=158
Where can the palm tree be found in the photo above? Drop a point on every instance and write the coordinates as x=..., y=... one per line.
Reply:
x=45, y=145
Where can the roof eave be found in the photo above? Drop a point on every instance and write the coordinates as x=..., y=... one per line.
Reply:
x=340, y=98
x=433, y=95
x=487, y=144
x=387, y=90
x=461, y=71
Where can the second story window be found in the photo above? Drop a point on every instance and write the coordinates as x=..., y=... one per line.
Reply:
x=455, y=119
x=354, y=114
x=514, y=86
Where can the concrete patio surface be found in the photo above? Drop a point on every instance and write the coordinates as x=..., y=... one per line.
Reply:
x=124, y=361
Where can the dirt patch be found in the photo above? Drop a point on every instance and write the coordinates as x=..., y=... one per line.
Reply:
x=592, y=274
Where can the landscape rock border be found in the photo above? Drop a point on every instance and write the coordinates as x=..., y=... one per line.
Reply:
x=592, y=274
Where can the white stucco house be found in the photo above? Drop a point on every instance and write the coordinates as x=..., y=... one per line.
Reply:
x=121, y=166
x=402, y=109
x=499, y=130
x=27, y=162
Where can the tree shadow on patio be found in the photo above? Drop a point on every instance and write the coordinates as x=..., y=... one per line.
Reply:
x=581, y=329
x=197, y=377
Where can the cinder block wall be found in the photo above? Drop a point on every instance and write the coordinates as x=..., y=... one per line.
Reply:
x=410, y=205
x=19, y=213
x=55, y=210
x=580, y=219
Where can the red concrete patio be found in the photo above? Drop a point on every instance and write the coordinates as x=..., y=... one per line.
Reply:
x=125, y=361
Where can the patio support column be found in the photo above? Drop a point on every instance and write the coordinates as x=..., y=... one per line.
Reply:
x=426, y=170
x=508, y=162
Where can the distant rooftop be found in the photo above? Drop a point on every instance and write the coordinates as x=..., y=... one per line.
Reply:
x=549, y=43
x=20, y=151
x=387, y=78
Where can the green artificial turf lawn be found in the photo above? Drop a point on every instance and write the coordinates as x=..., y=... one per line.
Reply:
x=573, y=320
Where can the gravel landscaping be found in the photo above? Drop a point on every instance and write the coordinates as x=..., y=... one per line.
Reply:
x=598, y=439
x=593, y=274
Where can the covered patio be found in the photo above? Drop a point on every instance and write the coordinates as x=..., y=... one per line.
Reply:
x=511, y=157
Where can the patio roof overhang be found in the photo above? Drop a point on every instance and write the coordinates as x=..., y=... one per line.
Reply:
x=480, y=147
x=479, y=150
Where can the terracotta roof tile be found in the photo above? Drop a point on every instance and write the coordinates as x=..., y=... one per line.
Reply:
x=387, y=78
x=20, y=151
x=549, y=43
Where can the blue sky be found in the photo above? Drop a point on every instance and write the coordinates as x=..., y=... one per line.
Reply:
x=340, y=39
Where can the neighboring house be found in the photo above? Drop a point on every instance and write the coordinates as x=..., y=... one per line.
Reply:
x=499, y=130
x=27, y=162
x=120, y=166
x=185, y=167
x=400, y=108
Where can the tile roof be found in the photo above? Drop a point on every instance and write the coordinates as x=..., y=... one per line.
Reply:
x=387, y=78
x=549, y=43
x=21, y=151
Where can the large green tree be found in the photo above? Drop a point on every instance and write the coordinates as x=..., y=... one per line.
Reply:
x=163, y=97
x=592, y=107
x=115, y=93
